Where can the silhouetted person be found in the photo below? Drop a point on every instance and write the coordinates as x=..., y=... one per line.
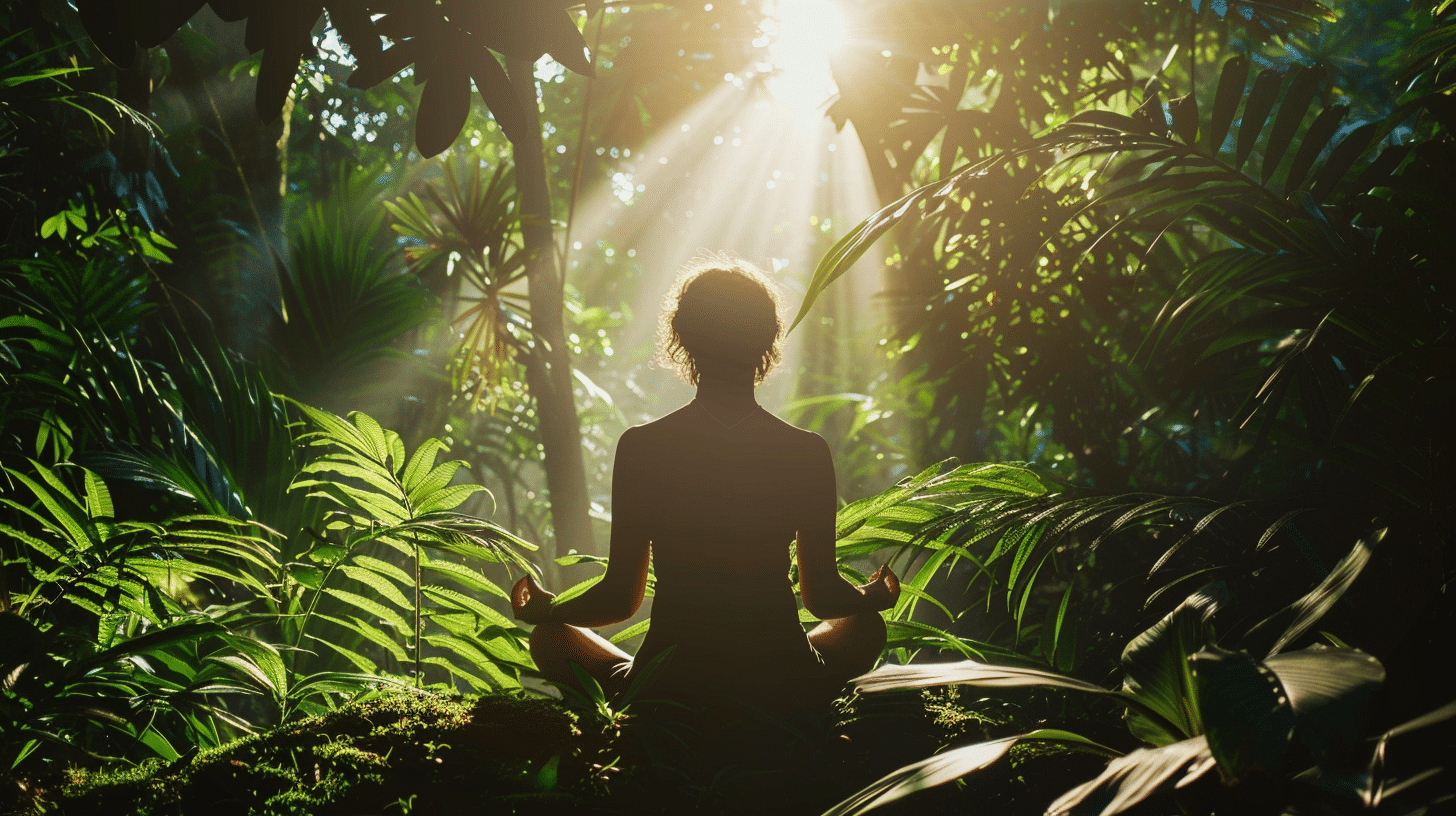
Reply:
x=715, y=492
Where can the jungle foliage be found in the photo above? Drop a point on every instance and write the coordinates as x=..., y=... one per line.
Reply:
x=1169, y=282
x=1224, y=293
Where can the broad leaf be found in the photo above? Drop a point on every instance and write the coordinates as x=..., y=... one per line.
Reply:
x=1246, y=713
x=1132, y=779
x=1327, y=689
x=970, y=672
x=1157, y=671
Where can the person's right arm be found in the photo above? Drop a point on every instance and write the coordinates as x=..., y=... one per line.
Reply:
x=826, y=593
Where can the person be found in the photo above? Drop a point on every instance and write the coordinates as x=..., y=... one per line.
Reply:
x=714, y=493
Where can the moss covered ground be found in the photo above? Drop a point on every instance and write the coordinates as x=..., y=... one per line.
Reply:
x=401, y=753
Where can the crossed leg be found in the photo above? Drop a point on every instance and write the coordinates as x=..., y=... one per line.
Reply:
x=849, y=646
x=555, y=646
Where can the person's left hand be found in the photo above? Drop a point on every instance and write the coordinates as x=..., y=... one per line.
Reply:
x=530, y=602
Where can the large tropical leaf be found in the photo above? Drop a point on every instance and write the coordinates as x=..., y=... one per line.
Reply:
x=1136, y=777
x=1157, y=671
x=1327, y=691
x=450, y=40
x=1245, y=710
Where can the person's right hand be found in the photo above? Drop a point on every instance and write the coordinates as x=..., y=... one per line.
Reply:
x=883, y=589
x=530, y=602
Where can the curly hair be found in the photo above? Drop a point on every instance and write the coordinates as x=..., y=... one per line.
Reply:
x=722, y=309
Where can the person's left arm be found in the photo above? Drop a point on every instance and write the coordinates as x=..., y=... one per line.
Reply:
x=620, y=592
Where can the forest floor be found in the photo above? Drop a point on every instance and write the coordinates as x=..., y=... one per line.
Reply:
x=399, y=753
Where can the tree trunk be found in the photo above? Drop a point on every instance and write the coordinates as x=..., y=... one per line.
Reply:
x=548, y=362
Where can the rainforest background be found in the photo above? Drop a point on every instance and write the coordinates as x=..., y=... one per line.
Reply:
x=1129, y=323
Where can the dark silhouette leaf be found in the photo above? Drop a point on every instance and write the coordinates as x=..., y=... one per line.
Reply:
x=160, y=19
x=1226, y=102
x=565, y=43
x=233, y=10
x=1343, y=157
x=1316, y=139
x=495, y=90
x=109, y=30
x=1184, y=110
x=1297, y=100
x=285, y=37
x=526, y=31
x=259, y=31
x=444, y=107
x=1256, y=110
x=356, y=29
x=1381, y=170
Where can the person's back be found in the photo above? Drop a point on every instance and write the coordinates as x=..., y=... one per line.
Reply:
x=724, y=505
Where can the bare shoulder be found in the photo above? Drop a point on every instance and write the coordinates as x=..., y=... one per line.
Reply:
x=801, y=443
x=663, y=427
x=660, y=433
x=680, y=430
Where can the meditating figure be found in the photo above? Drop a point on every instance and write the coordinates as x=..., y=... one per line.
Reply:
x=714, y=493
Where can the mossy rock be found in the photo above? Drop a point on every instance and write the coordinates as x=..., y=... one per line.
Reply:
x=392, y=753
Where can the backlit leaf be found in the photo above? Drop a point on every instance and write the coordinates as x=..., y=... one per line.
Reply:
x=1134, y=778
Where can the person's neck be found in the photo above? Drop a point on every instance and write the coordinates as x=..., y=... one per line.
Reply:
x=726, y=392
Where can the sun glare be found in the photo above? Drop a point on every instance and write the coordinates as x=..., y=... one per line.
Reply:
x=805, y=34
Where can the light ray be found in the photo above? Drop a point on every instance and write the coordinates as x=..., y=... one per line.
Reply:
x=744, y=173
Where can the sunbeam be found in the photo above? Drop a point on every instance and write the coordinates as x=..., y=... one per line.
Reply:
x=741, y=172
